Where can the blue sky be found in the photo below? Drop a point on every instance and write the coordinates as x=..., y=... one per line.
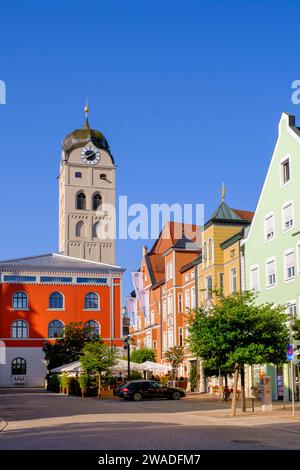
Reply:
x=188, y=94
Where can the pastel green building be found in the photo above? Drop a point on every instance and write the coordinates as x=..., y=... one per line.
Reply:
x=272, y=245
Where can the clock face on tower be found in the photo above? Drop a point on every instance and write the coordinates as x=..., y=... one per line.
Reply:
x=90, y=155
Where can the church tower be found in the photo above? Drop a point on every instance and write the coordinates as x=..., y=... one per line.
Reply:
x=87, y=196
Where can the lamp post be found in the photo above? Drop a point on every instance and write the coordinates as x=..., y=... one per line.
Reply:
x=127, y=346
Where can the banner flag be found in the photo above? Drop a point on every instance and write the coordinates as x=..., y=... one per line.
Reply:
x=141, y=294
x=132, y=309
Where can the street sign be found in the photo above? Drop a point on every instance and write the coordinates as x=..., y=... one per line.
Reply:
x=290, y=352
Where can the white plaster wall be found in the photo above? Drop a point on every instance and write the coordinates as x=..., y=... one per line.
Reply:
x=36, y=366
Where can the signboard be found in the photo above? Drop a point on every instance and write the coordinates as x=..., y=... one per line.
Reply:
x=19, y=380
x=290, y=352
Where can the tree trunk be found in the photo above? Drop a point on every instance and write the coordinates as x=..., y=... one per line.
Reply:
x=243, y=394
x=220, y=381
x=235, y=382
x=99, y=384
x=226, y=393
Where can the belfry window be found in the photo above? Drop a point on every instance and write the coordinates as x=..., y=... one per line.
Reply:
x=97, y=202
x=81, y=201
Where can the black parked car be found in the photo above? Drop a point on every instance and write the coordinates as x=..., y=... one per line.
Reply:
x=138, y=389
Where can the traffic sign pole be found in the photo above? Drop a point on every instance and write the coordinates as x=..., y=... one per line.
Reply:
x=293, y=387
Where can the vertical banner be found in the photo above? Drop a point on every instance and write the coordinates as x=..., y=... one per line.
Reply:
x=141, y=294
x=132, y=309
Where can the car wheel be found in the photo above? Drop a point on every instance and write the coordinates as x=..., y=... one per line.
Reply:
x=176, y=396
x=137, y=396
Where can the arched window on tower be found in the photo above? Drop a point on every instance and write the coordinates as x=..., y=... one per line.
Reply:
x=81, y=201
x=96, y=230
x=210, y=249
x=97, y=202
x=80, y=229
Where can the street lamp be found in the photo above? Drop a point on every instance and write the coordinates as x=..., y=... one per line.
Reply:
x=127, y=346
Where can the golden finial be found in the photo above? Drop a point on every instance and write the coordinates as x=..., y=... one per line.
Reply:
x=86, y=109
x=223, y=193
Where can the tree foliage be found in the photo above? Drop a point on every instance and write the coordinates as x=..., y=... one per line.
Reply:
x=68, y=348
x=175, y=356
x=142, y=355
x=96, y=358
x=237, y=331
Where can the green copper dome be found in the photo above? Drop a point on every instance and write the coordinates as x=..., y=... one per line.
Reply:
x=81, y=137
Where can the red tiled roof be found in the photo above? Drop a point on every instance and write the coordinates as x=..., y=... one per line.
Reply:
x=246, y=215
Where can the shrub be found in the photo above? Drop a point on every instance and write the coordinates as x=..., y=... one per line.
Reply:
x=84, y=381
x=53, y=383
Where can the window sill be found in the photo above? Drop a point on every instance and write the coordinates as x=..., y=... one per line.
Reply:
x=56, y=309
x=271, y=287
x=284, y=230
x=283, y=185
x=91, y=310
x=20, y=309
x=290, y=279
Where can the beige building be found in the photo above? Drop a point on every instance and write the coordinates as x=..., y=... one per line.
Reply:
x=87, y=194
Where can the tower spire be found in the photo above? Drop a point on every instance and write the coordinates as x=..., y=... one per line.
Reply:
x=86, y=110
x=223, y=192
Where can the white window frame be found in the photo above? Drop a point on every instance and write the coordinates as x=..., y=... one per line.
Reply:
x=285, y=205
x=232, y=291
x=208, y=295
x=193, y=297
x=284, y=159
x=152, y=316
x=269, y=260
x=170, y=335
x=271, y=214
x=165, y=310
x=298, y=257
x=170, y=304
x=165, y=341
x=285, y=254
x=187, y=305
x=289, y=304
x=255, y=267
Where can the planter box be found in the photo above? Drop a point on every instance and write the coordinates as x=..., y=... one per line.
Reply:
x=106, y=393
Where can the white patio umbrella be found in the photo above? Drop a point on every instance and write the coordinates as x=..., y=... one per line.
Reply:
x=155, y=367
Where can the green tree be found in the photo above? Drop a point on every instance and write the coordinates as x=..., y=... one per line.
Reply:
x=96, y=358
x=68, y=348
x=175, y=356
x=193, y=377
x=238, y=332
x=143, y=355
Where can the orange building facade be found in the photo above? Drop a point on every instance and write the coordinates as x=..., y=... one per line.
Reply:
x=169, y=274
x=39, y=296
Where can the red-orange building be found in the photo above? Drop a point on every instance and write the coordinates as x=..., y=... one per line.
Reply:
x=39, y=295
x=169, y=274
